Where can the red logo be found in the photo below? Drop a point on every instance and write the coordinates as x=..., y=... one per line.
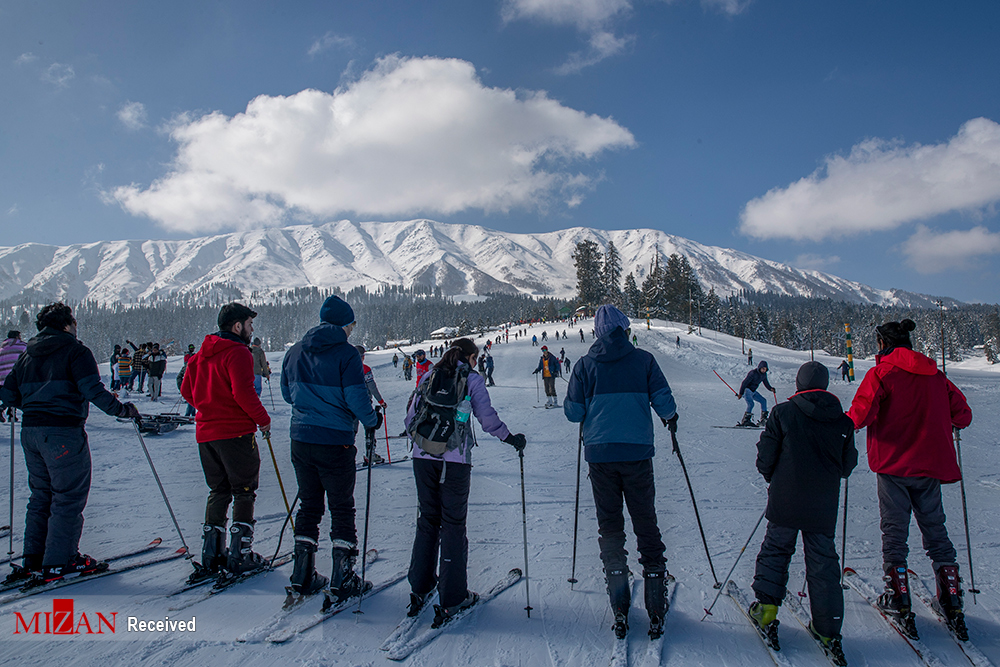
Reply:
x=63, y=621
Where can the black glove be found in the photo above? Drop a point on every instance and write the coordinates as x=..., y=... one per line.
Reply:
x=517, y=441
x=2, y=419
x=378, y=420
x=739, y=396
x=671, y=423
x=534, y=371
x=129, y=411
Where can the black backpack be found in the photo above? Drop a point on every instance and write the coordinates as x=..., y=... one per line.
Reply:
x=435, y=428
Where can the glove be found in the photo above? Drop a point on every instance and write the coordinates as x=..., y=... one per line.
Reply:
x=2, y=419
x=129, y=411
x=671, y=423
x=378, y=420
x=534, y=371
x=382, y=405
x=739, y=396
x=517, y=441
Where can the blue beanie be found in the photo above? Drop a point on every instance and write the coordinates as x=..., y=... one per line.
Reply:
x=608, y=317
x=336, y=311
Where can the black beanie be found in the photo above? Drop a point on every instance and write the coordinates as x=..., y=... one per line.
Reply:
x=897, y=334
x=812, y=375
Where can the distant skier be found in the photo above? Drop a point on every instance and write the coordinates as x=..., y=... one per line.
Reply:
x=157, y=366
x=678, y=341
x=489, y=371
x=422, y=364
x=534, y=340
x=566, y=364
x=749, y=356
x=844, y=369
x=545, y=335
x=910, y=409
x=115, y=378
x=407, y=367
x=635, y=340
x=582, y=339
x=395, y=360
x=373, y=394
x=748, y=392
x=261, y=369
x=550, y=369
x=805, y=450
x=610, y=391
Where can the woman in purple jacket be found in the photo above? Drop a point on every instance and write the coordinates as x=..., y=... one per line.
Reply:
x=443, y=496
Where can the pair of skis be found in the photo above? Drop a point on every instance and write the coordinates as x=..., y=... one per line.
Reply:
x=361, y=466
x=654, y=650
x=223, y=582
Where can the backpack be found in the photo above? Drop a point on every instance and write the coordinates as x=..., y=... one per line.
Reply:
x=434, y=427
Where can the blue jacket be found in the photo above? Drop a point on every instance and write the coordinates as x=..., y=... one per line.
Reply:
x=555, y=366
x=610, y=391
x=322, y=377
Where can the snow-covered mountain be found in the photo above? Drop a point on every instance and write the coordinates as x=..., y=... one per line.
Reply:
x=460, y=259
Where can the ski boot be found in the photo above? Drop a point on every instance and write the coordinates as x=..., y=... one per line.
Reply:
x=831, y=646
x=763, y=418
x=621, y=598
x=305, y=579
x=747, y=419
x=656, y=601
x=213, y=554
x=766, y=618
x=417, y=603
x=80, y=564
x=444, y=614
x=29, y=564
x=895, y=601
x=242, y=558
x=949, y=596
x=375, y=458
x=344, y=581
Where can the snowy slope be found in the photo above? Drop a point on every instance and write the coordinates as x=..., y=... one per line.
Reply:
x=459, y=259
x=567, y=628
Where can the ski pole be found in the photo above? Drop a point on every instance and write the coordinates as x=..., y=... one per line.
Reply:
x=965, y=515
x=724, y=382
x=388, y=455
x=369, y=450
x=576, y=509
x=281, y=535
x=267, y=437
x=537, y=396
x=708, y=612
x=142, y=441
x=697, y=516
x=269, y=391
x=843, y=538
x=524, y=530
x=10, y=547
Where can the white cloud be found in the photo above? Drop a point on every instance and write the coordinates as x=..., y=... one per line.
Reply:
x=882, y=185
x=731, y=7
x=330, y=41
x=816, y=262
x=59, y=74
x=412, y=135
x=585, y=15
x=603, y=45
x=133, y=115
x=25, y=58
x=13, y=210
x=929, y=251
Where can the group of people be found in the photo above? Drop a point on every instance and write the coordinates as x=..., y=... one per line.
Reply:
x=130, y=368
x=807, y=446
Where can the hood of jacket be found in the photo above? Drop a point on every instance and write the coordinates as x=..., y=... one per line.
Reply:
x=220, y=342
x=48, y=341
x=912, y=362
x=610, y=347
x=818, y=404
x=322, y=337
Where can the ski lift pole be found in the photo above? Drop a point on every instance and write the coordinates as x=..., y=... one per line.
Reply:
x=708, y=612
x=965, y=514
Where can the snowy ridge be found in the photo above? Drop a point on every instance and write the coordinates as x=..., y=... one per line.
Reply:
x=458, y=259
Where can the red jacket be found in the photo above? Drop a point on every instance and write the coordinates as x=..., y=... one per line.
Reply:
x=910, y=407
x=218, y=382
x=422, y=368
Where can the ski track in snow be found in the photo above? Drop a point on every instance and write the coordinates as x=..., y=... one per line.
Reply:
x=567, y=627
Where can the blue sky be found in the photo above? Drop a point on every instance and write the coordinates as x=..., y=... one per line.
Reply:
x=860, y=138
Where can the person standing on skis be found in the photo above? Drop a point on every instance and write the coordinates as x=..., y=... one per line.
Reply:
x=748, y=391
x=323, y=378
x=910, y=409
x=422, y=364
x=610, y=391
x=218, y=382
x=373, y=393
x=550, y=368
x=805, y=450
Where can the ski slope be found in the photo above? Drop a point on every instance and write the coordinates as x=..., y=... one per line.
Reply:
x=567, y=627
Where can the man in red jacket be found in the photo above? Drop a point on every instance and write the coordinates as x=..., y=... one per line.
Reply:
x=218, y=381
x=910, y=409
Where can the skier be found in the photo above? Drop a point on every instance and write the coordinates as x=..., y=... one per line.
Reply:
x=748, y=392
x=489, y=371
x=582, y=340
x=157, y=363
x=545, y=335
x=261, y=369
x=422, y=364
x=844, y=369
x=610, y=391
x=635, y=341
x=125, y=372
x=219, y=384
x=10, y=350
x=750, y=356
x=373, y=393
x=550, y=368
x=443, y=491
x=115, y=380
x=407, y=367
x=566, y=364
x=805, y=450
x=534, y=340
x=395, y=360
x=52, y=384
x=910, y=409
x=323, y=378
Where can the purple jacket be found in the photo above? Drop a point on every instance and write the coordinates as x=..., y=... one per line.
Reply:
x=10, y=350
x=481, y=408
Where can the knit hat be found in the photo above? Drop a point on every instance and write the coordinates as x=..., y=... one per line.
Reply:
x=812, y=375
x=607, y=318
x=336, y=311
x=13, y=334
x=897, y=334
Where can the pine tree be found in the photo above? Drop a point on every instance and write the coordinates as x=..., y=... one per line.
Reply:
x=632, y=297
x=611, y=275
x=587, y=260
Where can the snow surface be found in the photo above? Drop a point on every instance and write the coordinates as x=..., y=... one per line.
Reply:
x=567, y=627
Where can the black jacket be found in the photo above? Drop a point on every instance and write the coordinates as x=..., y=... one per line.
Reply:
x=753, y=380
x=53, y=381
x=157, y=364
x=806, y=448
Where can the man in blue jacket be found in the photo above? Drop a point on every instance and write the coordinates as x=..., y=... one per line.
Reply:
x=610, y=392
x=322, y=377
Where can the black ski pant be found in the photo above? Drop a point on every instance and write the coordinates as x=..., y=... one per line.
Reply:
x=489, y=377
x=826, y=597
x=631, y=481
x=232, y=472
x=443, y=499
x=897, y=498
x=325, y=470
x=550, y=385
x=59, y=467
